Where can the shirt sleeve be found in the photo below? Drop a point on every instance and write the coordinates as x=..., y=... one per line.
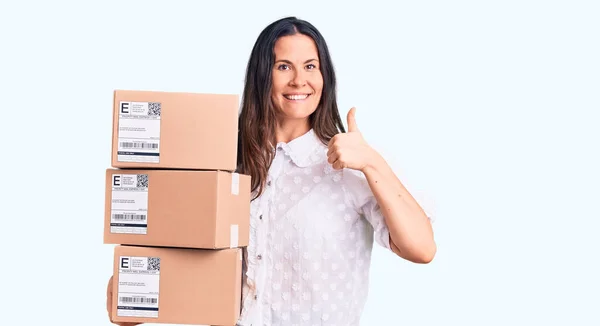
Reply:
x=364, y=201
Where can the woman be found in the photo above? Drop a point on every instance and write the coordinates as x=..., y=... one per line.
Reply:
x=322, y=196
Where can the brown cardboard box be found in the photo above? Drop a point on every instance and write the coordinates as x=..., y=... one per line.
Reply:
x=177, y=208
x=177, y=286
x=174, y=130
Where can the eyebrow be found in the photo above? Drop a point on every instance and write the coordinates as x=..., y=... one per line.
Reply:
x=289, y=62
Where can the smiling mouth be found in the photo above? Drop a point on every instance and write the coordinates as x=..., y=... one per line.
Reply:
x=296, y=97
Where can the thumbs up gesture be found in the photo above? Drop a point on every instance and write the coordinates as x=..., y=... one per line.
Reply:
x=349, y=150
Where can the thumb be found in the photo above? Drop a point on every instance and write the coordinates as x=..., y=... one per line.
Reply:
x=352, y=120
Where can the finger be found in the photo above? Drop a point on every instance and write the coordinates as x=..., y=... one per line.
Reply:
x=332, y=149
x=352, y=126
x=331, y=158
x=338, y=164
x=109, y=297
x=332, y=143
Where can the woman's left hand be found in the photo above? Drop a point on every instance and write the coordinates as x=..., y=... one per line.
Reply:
x=350, y=150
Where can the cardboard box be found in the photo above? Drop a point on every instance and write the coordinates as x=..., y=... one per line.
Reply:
x=177, y=208
x=174, y=130
x=177, y=286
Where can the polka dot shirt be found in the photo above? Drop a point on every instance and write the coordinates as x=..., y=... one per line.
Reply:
x=311, y=237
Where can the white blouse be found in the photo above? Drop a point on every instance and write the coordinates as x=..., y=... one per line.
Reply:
x=311, y=236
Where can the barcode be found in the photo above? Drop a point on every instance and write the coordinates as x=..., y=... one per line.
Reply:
x=138, y=300
x=153, y=263
x=139, y=145
x=142, y=180
x=129, y=217
x=154, y=109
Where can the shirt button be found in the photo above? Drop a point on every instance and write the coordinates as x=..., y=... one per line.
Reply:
x=269, y=183
x=260, y=217
x=255, y=296
x=259, y=257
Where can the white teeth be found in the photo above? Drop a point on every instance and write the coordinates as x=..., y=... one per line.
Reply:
x=296, y=97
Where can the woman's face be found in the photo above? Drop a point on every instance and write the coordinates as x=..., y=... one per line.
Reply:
x=297, y=79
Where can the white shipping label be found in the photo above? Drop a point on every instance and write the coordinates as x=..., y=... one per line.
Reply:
x=138, y=289
x=139, y=132
x=129, y=204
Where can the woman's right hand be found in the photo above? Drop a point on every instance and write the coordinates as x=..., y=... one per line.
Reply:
x=109, y=295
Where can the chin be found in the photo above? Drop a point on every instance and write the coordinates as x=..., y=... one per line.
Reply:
x=297, y=115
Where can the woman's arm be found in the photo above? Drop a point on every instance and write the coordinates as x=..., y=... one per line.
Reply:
x=411, y=234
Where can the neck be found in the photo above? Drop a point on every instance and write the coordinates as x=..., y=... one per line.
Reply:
x=288, y=130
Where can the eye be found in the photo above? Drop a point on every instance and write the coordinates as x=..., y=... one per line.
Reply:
x=283, y=66
x=311, y=66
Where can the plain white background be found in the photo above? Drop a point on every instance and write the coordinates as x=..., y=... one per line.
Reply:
x=487, y=110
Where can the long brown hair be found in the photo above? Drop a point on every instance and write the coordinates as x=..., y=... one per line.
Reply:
x=257, y=117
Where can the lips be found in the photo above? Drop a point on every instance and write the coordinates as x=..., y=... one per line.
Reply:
x=296, y=97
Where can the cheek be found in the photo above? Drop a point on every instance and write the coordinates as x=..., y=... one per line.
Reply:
x=317, y=84
x=277, y=84
x=276, y=92
x=319, y=89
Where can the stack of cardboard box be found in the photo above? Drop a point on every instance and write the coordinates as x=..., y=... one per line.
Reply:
x=176, y=209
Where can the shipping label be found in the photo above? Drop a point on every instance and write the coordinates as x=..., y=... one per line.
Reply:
x=138, y=288
x=139, y=132
x=129, y=204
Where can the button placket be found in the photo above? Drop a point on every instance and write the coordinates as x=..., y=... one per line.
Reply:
x=263, y=241
x=261, y=245
x=267, y=262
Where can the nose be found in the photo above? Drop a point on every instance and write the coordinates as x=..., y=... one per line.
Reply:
x=298, y=78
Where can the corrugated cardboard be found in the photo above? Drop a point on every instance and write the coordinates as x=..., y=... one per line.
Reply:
x=174, y=130
x=177, y=208
x=177, y=286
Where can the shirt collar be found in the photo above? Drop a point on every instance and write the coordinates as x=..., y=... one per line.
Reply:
x=301, y=148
